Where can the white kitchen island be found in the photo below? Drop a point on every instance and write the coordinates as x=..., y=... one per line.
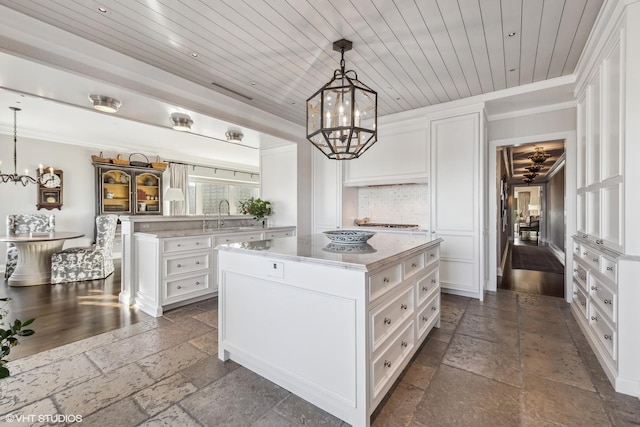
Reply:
x=334, y=325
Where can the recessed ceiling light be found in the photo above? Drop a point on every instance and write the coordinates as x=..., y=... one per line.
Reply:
x=194, y=54
x=252, y=83
x=512, y=69
x=512, y=34
x=105, y=103
x=102, y=9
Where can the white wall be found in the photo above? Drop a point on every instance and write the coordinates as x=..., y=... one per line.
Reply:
x=533, y=124
x=278, y=183
x=78, y=209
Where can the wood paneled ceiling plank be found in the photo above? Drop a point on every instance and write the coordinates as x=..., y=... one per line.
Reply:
x=452, y=17
x=472, y=18
x=549, y=27
x=582, y=33
x=511, y=24
x=532, y=10
x=494, y=33
x=567, y=30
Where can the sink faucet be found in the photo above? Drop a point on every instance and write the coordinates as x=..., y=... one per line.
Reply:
x=220, y=220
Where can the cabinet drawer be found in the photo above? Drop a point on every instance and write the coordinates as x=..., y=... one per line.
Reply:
x=241, y=237
x=384, y=367
x=186, y=243
x=432, y=255
x=590, y=256
x=609, y=269
x=576, y=249
x=186, y=287
x=186, y=264
x=413, y=265
x=278, y=234
x=605, y=333
x=604, y=297
x=381, y=282
x=428, y=316
x=580, y=299
x=427, y=286
x=386, y=319
x=580, y=275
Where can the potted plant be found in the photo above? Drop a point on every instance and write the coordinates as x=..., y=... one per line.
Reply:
x=257, y=207
x=8, y=337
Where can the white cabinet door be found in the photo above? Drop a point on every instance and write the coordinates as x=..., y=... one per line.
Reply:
x=327, y=193
x=582, y=142
x=400, y=156
x=456, y=213
x=594, y=129
x=612, y=124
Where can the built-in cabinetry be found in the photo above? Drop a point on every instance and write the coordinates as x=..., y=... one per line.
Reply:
x=456, y=187
x=128, y=190
x=336, y=334
x=400, y=156
x=606, y=253
x=174, y=268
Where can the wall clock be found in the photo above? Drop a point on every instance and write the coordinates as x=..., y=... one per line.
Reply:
x=50, y=190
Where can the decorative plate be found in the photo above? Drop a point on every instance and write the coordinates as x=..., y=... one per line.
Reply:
x=349, y=237
x=341, y=248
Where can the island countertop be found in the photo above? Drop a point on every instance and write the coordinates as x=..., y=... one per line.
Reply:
x=381, y=249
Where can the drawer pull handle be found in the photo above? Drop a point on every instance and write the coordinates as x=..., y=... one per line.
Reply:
x=607, y=301
x=434, y=308
x=179, y=265
x=387, y=321
x=387, y=364
x=414, y=265
x=403, y=306
x=595, y=318
x=595, y=259
x=609, y=268
x=179, y=244
x=594, y=288
x=584, y=236
x=584, y=253
x=197, y=262
x=425, y=318
x=404, y=344
x=179, y=287
x=583, y=277
x=575, y=270
x=575, y=292
x=599, y=242
x=197, y=283
x=432, y=255
x=433, y=280
x=582, y=303
x=608, y=337
x=425, y=288
x=385, y=280
x=197, y=243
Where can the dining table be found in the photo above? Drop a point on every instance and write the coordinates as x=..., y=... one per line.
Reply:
x=34, y=255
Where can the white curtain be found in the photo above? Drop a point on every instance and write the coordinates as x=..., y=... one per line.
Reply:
x=524, y=198
x=179, y=178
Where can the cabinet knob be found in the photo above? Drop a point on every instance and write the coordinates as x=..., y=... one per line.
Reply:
x=583, y=277
x=404, y=344
x=594, y=288
x=179, y=287
x=585, y=236
x=575, y=270
x=584, y=253
x=197, y=243
x=434, y=308
x=387, y=321
x=609, y=268
x=179, y=244
x=425, y=288
x=179, y=265
x=433, y=280
x=385, y=280
x=387, y=364
x=197, y=262
x=594, y=318
x=575, y=292
x=414, y=265
x=608, y=337
x=425, y=318
x=403, y=306
x=197, y=283
x=607, y=301
x=595, y=259
x=432, y=255
x=582, y=303
x=599, y=242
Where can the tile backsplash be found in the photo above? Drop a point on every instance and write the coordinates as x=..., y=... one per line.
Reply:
x=397, y=204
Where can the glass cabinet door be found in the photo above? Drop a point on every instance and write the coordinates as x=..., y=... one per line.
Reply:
x=115, y=191
x=148, y=193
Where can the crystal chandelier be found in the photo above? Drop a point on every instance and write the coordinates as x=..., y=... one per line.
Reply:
x=342, y=116
x=14, y=177
x=540, y=156
x=534, y=168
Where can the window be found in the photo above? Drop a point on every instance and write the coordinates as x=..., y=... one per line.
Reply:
x=206, y=195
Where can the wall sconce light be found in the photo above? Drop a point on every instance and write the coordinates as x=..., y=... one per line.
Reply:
x=181, y=121
x=234, y=136
x=105, y=104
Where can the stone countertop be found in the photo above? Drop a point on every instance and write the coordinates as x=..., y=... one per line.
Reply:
x=381, y=249
x=210, y=231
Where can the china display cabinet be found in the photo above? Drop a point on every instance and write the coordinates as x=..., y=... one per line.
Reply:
x=128, y=190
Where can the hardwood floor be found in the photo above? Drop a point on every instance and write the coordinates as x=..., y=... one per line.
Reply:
x=529, y=281
x=68, y=312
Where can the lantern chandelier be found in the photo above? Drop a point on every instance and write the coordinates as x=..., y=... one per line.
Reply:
x=14, y=177
x=539, y=156
x=342, y=116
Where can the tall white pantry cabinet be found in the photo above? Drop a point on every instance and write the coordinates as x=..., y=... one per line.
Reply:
x=606, y=248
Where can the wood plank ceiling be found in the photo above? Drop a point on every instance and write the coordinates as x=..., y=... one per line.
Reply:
x=274, y=54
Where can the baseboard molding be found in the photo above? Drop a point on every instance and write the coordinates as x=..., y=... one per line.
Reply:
x=559, y=253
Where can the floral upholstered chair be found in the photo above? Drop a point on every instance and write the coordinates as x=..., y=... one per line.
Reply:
x=24, y=224
x=89, y=263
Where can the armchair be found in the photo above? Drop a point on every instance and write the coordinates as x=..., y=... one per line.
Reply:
x=534, y=225
x=87, y=263
x=25, y=223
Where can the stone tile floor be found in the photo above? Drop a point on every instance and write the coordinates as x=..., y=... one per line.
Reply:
x=513, y=360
